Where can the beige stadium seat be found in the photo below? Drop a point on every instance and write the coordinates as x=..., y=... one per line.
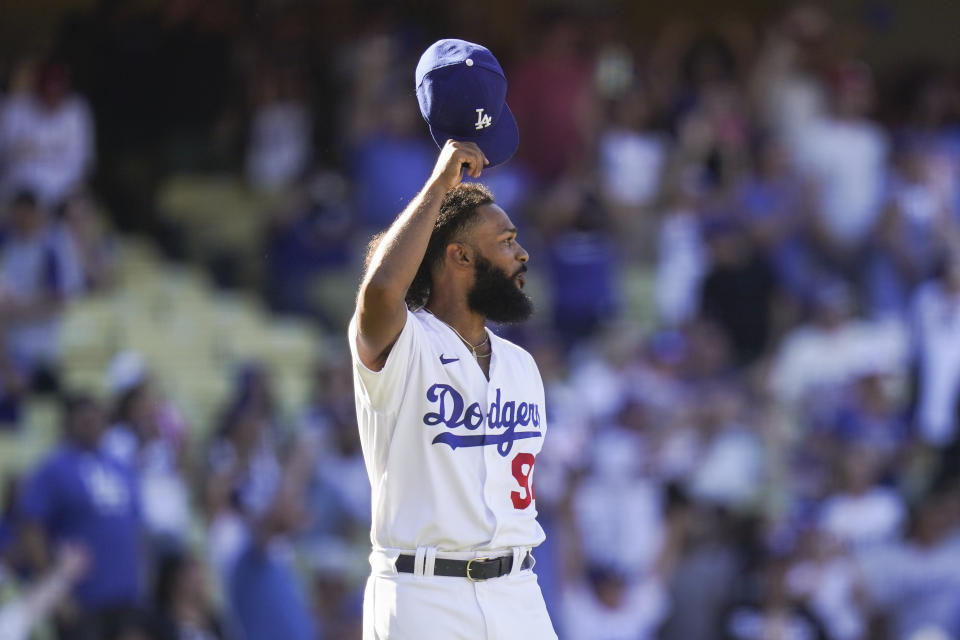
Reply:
x=219, y=211
x=200, y=394
x=42, y=419
x=335, y=292
x=86, y=378
x=89, y=325
x=137, y=255
x=638, y=289
x=242, y=329
x=12, y=462
x=294, y=342
x=90, y=335
x=202, y=199
x=40, y=430
x=192, y=337
x=292, y=390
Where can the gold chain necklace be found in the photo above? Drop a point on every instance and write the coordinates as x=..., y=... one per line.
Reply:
x=473, y=348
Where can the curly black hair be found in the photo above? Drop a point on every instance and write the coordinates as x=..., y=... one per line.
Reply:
x=458, y=210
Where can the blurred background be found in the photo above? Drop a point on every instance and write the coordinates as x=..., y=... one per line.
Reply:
x=744, y=222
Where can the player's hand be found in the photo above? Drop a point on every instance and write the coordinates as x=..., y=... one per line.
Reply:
x=457, y=158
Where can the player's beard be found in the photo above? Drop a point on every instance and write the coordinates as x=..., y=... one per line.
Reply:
x=496, y=296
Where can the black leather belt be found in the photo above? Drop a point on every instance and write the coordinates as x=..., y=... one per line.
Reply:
x=475, y=569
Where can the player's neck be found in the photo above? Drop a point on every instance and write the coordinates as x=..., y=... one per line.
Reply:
x=470, y=324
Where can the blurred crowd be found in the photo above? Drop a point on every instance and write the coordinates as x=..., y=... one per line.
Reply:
x=745, y=252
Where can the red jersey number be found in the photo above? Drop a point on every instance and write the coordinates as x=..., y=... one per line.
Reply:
x=523, y=472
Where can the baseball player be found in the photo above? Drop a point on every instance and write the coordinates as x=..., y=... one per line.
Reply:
x=451, y=419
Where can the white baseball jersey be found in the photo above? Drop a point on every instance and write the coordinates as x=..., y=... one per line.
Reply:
x=450, y=455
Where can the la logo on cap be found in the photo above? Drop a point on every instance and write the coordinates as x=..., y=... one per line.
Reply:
x=462, y=94
x=482, y=120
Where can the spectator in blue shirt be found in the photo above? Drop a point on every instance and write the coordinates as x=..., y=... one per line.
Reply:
x=39, y=272
x=774, y=205
x=266, y=596
x=80, y=495
x=583, y=272
x=388, y=160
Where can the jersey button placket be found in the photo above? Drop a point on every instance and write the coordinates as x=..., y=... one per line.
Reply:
x=490, y=453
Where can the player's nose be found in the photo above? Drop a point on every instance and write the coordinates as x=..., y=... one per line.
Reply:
x=522, y=254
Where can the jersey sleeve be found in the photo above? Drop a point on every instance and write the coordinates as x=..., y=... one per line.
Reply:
x=382, y=390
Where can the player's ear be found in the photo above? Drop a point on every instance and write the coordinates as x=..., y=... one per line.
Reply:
x=459, y=254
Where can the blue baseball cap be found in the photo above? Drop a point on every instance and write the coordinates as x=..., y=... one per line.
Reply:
x=462, y=94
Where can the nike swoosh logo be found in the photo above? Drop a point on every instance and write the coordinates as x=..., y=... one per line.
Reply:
x=447, y=360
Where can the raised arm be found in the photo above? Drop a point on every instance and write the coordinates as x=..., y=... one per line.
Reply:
x=381, y=311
